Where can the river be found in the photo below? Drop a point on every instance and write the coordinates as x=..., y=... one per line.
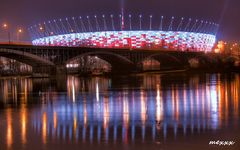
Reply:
x=144, y=111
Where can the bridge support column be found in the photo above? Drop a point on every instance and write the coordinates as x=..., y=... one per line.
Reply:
x=60, y=74
x=123, y=69
x=61, y=70
x=42, y=71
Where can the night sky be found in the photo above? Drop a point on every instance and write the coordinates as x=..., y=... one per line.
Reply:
x=24, y=13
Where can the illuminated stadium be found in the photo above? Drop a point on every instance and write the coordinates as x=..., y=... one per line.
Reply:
x=128, y=32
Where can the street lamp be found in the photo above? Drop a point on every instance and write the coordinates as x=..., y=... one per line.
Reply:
x=42, y=29
x=19, y=31
x=5, y=27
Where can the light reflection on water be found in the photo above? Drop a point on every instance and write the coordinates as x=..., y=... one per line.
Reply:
x=145, y=109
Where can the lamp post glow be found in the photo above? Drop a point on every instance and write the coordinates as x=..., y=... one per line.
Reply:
x=19, y=33
x=5, y=27
x=42, y=29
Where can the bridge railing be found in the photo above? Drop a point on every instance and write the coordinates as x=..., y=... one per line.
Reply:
x=16, y=43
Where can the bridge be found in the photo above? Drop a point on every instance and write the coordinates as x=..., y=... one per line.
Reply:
x=53, y=59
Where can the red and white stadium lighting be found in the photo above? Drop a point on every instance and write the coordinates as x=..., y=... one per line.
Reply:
x=128, y=33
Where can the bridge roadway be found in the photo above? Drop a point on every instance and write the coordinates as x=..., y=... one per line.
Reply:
x=56, y=58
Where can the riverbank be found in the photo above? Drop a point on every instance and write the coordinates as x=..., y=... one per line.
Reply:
x=109, y=74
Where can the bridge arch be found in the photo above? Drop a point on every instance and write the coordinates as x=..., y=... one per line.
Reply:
x=232, y=58
x=118, y=62
x=203, y=60
x=167, y=61
x=25, y=57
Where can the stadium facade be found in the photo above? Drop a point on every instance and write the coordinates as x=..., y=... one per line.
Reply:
x=131, y=32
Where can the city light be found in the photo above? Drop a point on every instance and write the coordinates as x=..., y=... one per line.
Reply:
x=5, y=26
x=72, y=65
x=232, y=48
x=20, y=30
x=220, y=47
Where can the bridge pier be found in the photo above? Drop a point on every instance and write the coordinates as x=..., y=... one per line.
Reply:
x=61, y=70
x=42, y=71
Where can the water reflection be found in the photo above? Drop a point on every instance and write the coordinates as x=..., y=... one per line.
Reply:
x=23, y=114
x=9, y=135
x=152, y=109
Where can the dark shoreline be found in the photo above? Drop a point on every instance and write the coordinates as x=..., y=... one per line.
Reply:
x=167, y=71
